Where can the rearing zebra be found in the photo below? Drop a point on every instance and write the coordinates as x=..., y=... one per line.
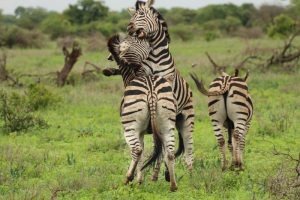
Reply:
x=147, y=23
x=147, y=100
x=230, y=106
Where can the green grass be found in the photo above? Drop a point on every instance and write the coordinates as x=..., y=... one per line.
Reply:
x=83, y=154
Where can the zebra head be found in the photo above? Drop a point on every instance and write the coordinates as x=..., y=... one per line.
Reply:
x=144, y=20
x=129, y=51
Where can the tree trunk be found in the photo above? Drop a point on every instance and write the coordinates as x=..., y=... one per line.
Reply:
x=70, y=60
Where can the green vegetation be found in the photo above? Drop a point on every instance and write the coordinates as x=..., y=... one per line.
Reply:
x=87, y=17
x=82, y=154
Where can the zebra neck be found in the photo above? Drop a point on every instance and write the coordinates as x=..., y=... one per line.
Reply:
x=160, y=61
x=128, y=74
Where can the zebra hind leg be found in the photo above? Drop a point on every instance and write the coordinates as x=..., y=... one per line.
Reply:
x=140, y=173
x=186, y=128
x=136, y=152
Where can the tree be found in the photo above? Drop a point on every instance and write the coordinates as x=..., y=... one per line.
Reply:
x=283, y=26
x=30, y=18
x=86, y=11
x=56, y=25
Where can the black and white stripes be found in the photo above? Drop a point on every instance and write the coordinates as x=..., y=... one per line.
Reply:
x=147, y=23
x=148, y=101
x=229, y=106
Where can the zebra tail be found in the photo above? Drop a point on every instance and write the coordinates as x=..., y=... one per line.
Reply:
x=157, y=151
x=204, y=91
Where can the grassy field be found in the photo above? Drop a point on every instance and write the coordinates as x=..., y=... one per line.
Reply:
x=83, y=155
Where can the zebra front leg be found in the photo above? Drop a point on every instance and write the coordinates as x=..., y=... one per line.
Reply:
x=136, y=152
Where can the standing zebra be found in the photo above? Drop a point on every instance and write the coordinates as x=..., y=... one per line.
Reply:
x=147, y=23
x=230, y=106
x=147, y=100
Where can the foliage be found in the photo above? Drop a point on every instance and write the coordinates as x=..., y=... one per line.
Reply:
x=16, y=114
x=56, y=25
x=86, y=11
x=30, y=18
x=210, y=36
x=283, y=26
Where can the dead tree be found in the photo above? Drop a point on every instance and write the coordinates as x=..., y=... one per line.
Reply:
x=285, y=55
x=218, y=69
x=70, y=60
x=4, y=74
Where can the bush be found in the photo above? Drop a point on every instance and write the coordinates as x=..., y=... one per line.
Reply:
x=16, y=114
x=39, y=97
x=283, y=26
x=184, y=32
x=13, y=36
x=210, y=36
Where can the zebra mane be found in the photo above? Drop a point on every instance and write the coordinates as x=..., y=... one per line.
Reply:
x=113, y=47
x=161, y=19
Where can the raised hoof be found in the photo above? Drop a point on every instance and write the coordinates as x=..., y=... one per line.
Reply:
x=167, y=176
x=108, y=72
x=173, y=188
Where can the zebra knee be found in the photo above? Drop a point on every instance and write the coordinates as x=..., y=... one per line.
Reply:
x=221, y=142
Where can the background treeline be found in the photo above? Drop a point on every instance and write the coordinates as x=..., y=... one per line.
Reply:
x=33, y=27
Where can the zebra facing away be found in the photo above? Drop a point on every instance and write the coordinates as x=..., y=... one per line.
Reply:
x=147, y=23
x=230, y=106
x=147, y=100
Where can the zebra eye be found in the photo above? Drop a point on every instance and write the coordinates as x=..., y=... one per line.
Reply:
x=142, y=13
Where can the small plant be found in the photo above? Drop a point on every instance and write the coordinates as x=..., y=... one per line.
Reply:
x=16, y=114
x=210, y=36
x=39, y=97
x=71, y=159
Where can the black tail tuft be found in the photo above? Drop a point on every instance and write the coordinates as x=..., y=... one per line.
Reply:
x=156, y=154
x=180, y=149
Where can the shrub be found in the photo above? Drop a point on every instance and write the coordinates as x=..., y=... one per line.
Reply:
x=210, y=36
x=39, y=97
x=16, y=114
x=13, y=36
x=283, y=26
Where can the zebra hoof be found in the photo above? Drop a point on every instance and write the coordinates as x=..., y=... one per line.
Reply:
x=173, y=188
x=154, y=178
x=129, y=179
x=167, y=176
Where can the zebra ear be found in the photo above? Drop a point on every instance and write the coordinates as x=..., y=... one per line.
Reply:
x=131, y=11
x=150, y=3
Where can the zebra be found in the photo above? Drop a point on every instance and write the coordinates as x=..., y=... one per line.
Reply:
x=230, y=106
x=148, y=100
x=147, y=23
